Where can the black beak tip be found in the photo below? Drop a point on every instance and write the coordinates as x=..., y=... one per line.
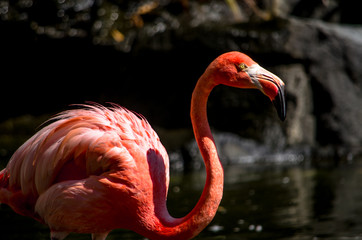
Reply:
x=280, y=105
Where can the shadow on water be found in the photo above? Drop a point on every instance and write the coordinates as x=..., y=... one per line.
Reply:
x=274, y=202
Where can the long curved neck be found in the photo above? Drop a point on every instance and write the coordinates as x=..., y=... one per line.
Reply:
x=209, y=201
x=205, y=209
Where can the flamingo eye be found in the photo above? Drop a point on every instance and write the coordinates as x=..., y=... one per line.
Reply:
x=242, y=67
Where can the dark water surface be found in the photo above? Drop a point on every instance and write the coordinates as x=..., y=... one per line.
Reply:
x=260, y=202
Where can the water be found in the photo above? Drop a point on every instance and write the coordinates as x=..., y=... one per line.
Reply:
x=259, y=202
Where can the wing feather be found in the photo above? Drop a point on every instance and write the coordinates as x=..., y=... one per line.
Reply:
x=89, y=136
x=79, y=143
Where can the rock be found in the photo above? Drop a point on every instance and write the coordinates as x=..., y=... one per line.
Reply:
x=331, y=53
x=301, y=123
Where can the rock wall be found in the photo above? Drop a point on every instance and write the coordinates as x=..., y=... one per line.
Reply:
x=301, y=123
x=331, y=54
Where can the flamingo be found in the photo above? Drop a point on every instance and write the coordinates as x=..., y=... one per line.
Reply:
x=95, y=168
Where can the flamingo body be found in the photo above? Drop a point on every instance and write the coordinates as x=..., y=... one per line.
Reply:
x=90, y=161
x=95, y=169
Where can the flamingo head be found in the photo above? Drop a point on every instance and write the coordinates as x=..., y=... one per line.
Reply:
x=239, y=70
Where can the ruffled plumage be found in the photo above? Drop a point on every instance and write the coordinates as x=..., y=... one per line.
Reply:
x=78, y=143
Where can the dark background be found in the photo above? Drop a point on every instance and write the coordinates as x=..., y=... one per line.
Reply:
x=148, y=55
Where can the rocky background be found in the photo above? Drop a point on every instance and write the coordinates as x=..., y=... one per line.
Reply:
x=147, y=56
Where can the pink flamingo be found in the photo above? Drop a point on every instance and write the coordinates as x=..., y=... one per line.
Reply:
x=96, y=169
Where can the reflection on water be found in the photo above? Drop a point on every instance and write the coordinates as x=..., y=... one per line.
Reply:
x=259, y=202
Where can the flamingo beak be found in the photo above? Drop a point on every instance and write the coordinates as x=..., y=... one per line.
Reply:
x=280, y=103
x=271, y=85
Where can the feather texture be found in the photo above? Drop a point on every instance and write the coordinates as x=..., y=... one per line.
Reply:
x=79, y=143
